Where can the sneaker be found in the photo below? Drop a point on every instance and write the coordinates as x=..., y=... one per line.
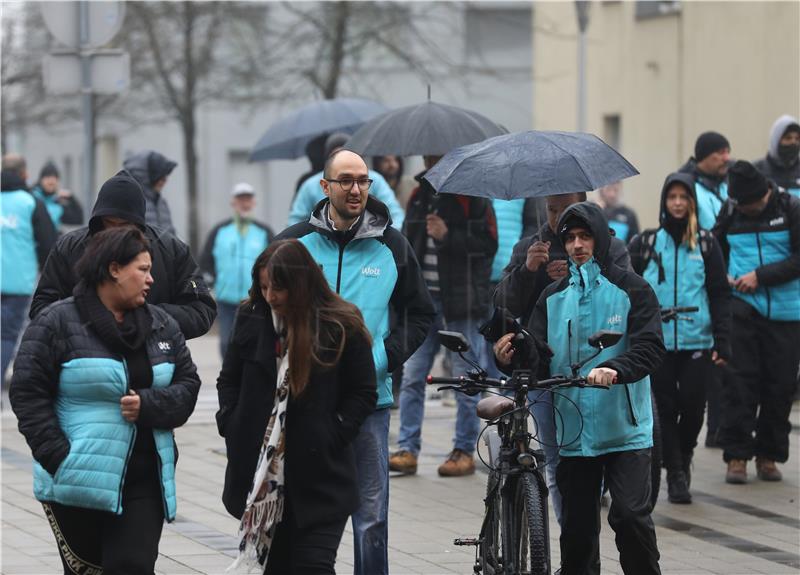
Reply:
x=677, y=487
x=403, y=461
x=458, y=464
x=737, y=472
x=767, y=470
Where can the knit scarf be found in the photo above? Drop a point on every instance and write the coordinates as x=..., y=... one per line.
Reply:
x=264, y=507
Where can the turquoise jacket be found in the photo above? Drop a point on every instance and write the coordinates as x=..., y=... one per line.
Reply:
x=709, y=203
x=66, y=394
x=600, y=296
x=310, y=194
x=228, y=257
x=509, y=217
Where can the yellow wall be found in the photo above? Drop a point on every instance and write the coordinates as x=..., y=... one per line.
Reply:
x=732, y=67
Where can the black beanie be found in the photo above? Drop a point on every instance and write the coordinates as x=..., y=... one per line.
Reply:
x=745, y=183
x=572, y=221
x=707, y=143
x=49, y=169
x=120, y=197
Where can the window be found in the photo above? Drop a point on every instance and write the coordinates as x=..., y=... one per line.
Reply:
x=651, y=9
x=612, y=131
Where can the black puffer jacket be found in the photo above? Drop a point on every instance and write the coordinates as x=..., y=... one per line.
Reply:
x=466, y=253
x=178, y=286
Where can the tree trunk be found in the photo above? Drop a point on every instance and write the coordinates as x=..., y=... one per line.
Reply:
x=189, y=126
x=341, y=14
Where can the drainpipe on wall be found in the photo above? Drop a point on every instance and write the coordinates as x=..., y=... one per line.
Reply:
x=582, y=10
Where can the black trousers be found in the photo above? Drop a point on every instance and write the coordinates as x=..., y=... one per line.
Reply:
x=757, y=398
x=627, y=474
x=307, y=551
x=679, y=386
x=95, y=542
x=714, y=386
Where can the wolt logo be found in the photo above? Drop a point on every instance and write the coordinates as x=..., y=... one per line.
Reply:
x=615, y=319
x=371, y=272
x=164, y=346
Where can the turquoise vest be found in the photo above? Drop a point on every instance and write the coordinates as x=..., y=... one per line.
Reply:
x=509, y=230
x=684, y=285
x=589, y=304
x=365, y=276
x=749, y=251
x=101, y=440
x=20, y=265
x=708, y=204
x=234, y=256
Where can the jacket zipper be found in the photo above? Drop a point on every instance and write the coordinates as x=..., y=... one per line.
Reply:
x=675, y=299
x=339, y=270
x=761, y=263
x=130, y=444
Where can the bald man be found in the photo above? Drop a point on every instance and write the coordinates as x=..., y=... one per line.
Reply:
x=372, y=265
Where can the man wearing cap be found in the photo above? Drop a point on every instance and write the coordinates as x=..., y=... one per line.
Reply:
x=604, y=434
x=227, y=260
x=151, y=169
x=782, y=162
x=178, y=286
x=310, y=193
x=709, y=166
x=62, y=206
x=759, y=232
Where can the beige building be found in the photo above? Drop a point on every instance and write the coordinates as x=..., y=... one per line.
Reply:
x=660, y=73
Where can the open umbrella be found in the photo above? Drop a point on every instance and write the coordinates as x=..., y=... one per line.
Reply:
x=287, y=138
x=427, y=129
x=530, y=164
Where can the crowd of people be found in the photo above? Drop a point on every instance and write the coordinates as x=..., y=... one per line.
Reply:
x=324, y=323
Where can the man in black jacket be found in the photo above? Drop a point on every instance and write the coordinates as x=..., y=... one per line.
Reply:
x=760, y=238
x=178, y=288
x=455, y=238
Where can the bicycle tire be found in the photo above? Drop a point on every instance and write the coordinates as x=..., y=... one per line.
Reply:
x=529, y=529
x=490, y=550
x=656, y=455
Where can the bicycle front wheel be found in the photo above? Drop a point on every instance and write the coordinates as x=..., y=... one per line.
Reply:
x=529, y=529
x=490, y=547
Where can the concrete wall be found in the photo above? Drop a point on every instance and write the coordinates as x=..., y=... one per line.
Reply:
x=732, y=67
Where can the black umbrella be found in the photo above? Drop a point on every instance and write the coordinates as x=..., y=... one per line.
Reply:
x=287, y=138
x=427, y=129
x=530, y=164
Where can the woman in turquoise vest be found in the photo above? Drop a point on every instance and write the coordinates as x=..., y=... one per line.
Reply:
x=101, y=380
x=685, y=267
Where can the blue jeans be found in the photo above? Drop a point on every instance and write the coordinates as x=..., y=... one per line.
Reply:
x=13, y=313
x=371, y=520
x=417, y=368
x=546, y=434
x=226, y=313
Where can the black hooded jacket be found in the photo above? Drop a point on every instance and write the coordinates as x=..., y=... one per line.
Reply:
x=519, y=288
x=178, y=287
x=716, y=278
x=148, y=167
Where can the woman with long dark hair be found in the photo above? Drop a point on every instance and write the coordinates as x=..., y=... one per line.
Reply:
x=685, y=267
x=289, y=424
x=101, y=380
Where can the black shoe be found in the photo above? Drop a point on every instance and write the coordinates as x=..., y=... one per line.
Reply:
x=712, y=440
x=677, y=488
x=687, y=469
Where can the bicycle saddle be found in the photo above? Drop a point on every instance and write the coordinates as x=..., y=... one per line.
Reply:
x=493, y=407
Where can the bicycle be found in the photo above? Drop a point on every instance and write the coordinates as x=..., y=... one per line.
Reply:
x=514, y=537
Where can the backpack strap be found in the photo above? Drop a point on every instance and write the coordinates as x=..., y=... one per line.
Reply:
x=648, y=252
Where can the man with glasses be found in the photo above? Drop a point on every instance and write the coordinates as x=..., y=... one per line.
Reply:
x=372, y=265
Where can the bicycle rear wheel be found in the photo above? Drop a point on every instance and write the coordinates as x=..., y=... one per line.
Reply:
x=490, y=547
x=530, y=539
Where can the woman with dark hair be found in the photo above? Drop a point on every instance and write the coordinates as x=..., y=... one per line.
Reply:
x=684, y=266
x=291, y=474
x=101, y=380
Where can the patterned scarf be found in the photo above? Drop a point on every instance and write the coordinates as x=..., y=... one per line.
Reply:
x=264, y=508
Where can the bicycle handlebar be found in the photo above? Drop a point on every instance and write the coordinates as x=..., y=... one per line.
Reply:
x=490, y=383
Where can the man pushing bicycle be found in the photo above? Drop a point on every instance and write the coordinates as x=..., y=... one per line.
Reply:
x=602, y=433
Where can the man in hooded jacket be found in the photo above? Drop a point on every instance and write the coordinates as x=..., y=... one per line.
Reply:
x=178, y=286
x=151, y=170
x=782, y=162
x=604, y=434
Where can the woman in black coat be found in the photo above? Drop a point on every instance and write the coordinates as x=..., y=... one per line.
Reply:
x=291, y=474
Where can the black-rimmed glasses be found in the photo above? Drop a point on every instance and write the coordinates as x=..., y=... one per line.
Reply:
x=348, y=183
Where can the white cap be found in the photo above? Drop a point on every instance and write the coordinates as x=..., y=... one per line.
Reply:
x=241, y=189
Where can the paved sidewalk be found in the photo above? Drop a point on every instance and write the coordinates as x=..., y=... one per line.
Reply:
x=731, y=530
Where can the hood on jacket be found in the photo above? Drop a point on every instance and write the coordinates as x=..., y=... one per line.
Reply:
x=592, y=217
x=11, y=181
x=681, y=177
x=148, y=167
x=776, y=133
x=373, y=223
x=120, y=197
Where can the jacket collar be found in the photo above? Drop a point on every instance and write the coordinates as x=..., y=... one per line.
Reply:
x=584, y=277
